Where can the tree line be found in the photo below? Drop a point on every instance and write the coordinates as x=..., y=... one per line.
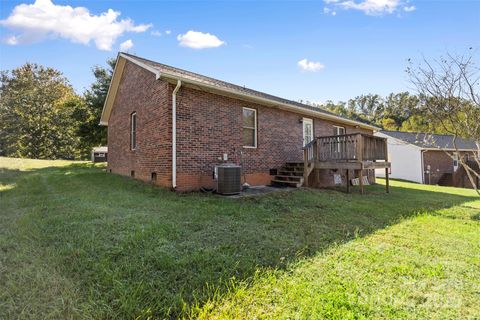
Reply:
x=42, y=117
x=402, y=111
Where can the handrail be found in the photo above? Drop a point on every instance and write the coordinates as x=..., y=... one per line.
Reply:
x=308, y=145
x=346, y=147
x=331, y=151
x=352, y=134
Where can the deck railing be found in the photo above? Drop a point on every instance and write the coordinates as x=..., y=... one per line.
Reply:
x=348, y=147
x=349, y=151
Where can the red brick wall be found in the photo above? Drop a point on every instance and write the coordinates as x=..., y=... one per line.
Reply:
x=139, y=92
x=208, y=125
x=439, y=162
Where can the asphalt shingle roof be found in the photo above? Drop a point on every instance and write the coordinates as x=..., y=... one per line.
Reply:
x=163, y=68
x=427, y=140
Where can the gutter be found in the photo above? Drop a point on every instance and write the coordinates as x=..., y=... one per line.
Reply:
x=262, y=100
x=174, y=134
x=267, y=101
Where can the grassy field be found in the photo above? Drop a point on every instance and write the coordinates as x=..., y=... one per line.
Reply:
x=77, y=242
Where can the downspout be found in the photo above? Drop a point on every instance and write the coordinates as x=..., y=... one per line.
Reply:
x=174, y=134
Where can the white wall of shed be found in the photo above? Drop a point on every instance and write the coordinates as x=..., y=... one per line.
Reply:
x=405, y=158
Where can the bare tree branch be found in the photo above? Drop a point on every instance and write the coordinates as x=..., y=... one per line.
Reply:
x=448, y=88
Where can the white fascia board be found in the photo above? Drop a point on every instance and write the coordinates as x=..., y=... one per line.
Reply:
x=114, y=83
x=287, y=106
x=398, y=141
x=450, y=149
x=143, y=65
x=111, y=93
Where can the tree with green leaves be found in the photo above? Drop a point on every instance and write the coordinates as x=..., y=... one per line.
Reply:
x=390, y=112
x=89, y=130
x=37, y=107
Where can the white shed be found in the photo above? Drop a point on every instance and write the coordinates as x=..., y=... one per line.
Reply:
x=99, y=154
x=406, y=160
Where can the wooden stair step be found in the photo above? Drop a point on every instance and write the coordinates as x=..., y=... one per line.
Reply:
x=292, y=168
x=291, y=178
x=285, y=182
x=294, y=165
x=290, y=173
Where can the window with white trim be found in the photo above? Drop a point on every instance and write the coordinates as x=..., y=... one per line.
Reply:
x=133, y=131
x=338, y=131
x=249, y=127
x=455, y=161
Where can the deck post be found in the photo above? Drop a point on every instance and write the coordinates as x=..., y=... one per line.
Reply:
x=387, y=181
x=359, y=151
x=360, y=158
x=314, y=158
x=361, y=180
x=305, y=167
x=387, y=178
x=348, y=181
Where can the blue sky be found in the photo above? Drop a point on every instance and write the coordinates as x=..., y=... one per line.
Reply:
x=351, y=47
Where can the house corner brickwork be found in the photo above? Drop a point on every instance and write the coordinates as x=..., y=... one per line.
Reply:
x=139, y=92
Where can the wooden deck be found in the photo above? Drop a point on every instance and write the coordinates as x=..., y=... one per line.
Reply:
x=356, y=151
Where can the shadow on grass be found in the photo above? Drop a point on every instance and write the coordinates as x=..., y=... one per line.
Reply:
x=133, y=249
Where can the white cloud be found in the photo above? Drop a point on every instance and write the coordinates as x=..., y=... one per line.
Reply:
x=126, y=45
x=327, y=10
x=156, y=33
x=311, y=66
x=168, y=31
x=43, y=19
x=11, y=40
x=199, y=40
x=371, y=7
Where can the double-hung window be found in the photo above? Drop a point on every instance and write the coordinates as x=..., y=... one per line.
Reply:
x=133, y=131
x=249, y=127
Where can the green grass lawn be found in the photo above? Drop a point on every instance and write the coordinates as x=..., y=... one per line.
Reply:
x=77, y=242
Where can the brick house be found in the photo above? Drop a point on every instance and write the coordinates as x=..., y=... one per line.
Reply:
x=171, y=127
x=429, y=158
